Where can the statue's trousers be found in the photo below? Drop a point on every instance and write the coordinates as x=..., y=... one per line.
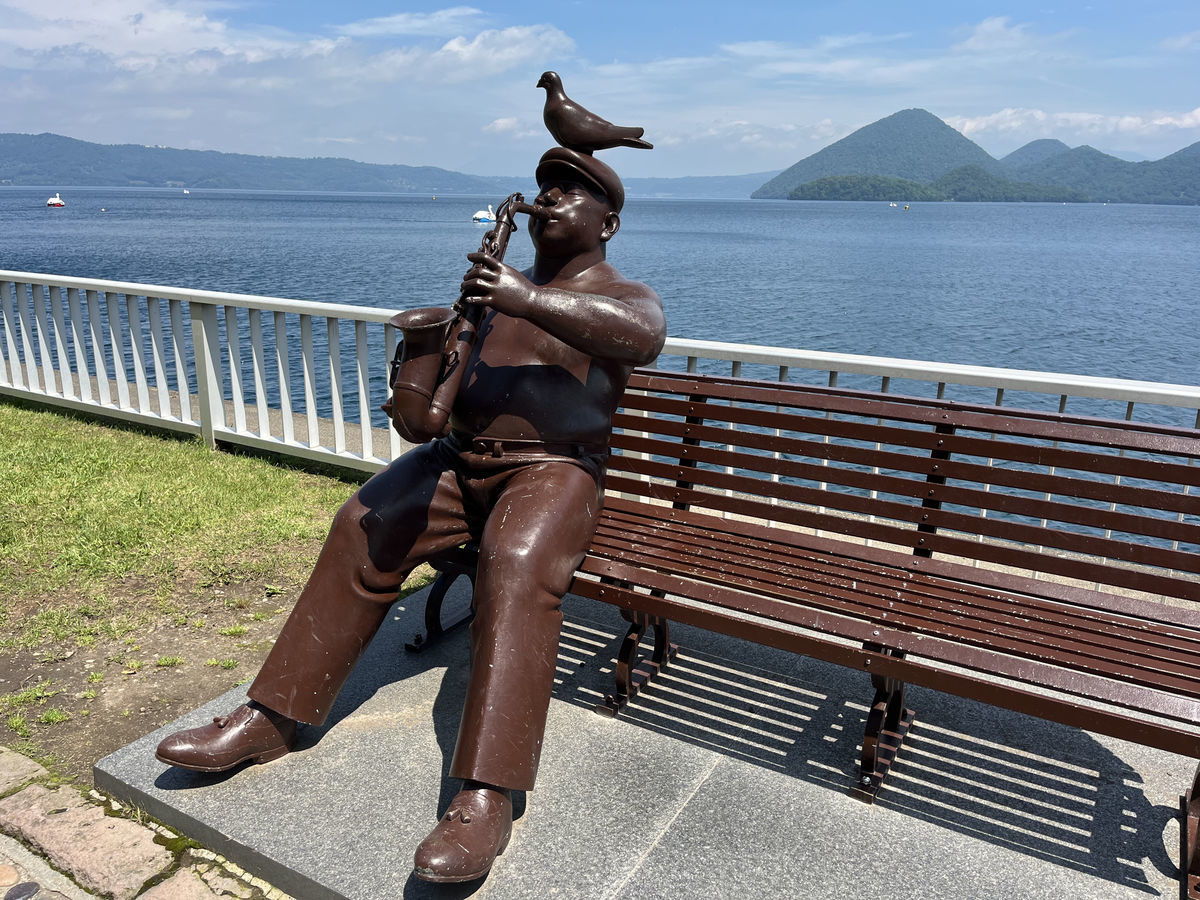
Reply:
x=532, y=513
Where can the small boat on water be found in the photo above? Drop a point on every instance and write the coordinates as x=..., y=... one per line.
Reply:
x=484, y=215
x=56, y=200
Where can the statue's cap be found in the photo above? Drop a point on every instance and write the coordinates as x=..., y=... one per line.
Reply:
x=577, y=164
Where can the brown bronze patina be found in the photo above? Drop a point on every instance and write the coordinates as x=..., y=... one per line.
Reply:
x=514, y=461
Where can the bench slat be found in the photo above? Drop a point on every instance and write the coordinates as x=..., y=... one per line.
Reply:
x=956, y=547
x=1165, y=736
x=1170, y=529
x=912, y=606
x=1129, y=435
x=1167, y=468
x=1130, y=626
x=750, y=490
x=879, y=456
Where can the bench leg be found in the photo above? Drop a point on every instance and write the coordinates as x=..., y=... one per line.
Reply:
x=1189, y=831
x=887, y=724
x=434, y=629
x=632, y=676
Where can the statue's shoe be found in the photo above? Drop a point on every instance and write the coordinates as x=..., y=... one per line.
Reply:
x=250, y=732
x=465, y=843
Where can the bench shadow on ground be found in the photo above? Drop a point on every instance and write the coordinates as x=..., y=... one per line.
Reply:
x=1037, y=788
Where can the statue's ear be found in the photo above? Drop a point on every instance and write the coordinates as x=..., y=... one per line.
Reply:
x=612, y=224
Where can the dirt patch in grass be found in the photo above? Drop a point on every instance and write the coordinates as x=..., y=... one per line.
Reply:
x=69, y=705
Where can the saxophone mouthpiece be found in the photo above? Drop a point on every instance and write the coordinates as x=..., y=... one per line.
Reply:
x=534, y=212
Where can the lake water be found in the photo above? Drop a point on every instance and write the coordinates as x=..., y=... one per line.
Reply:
x=1090, y=289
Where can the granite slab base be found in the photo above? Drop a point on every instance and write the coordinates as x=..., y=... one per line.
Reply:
x=727, y=778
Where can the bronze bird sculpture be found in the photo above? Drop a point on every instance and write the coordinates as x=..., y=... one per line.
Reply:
x=576, y=128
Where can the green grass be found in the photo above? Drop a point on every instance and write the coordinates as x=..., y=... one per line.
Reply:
x=86, y=507
x=38, y=693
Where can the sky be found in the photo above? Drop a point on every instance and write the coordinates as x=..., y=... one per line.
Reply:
x=721, y=87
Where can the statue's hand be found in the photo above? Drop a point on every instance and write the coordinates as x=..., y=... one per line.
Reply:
x=493, y=284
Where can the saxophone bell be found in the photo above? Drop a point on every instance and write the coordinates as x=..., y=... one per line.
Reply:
x=428, y=366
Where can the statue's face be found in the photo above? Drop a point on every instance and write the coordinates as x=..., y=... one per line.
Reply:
x=580, y=219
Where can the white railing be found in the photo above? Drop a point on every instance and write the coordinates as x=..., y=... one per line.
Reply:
x=307, y=379
x=304, y=379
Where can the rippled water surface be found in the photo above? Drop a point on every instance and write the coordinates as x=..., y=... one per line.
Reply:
x=1104, y=290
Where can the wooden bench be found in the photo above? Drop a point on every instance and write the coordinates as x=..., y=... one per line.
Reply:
x=1043, y=563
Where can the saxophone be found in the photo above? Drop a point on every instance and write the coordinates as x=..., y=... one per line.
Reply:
x=436, y=343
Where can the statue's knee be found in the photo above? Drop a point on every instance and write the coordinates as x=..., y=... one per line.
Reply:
x=350, y=518
x=522, y=572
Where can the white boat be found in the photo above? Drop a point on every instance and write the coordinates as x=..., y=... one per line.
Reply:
x=56, y=200
x=484, y=215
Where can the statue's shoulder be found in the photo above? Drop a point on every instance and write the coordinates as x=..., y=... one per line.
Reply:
x=604, y=278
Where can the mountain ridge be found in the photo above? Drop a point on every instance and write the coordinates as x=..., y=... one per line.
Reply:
x=917, y=146
x=53, y=159
x=912, y=144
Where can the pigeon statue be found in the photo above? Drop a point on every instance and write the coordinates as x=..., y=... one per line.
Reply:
x=579, y=129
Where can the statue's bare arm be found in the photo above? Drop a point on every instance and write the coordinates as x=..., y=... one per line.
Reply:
x=596, y=311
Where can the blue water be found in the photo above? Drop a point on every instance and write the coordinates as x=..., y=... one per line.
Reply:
x=1090, y=289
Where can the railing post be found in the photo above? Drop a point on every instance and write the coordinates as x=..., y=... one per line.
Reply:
x=206, y=341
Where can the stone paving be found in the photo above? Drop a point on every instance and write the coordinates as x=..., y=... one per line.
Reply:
x=57, y=843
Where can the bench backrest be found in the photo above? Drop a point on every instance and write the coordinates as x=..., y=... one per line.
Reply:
x=1017, y=489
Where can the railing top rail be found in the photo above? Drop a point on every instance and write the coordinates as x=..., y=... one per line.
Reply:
x=273, y=304
x=1126, y=390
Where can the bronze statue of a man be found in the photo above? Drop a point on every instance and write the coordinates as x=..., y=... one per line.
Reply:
x=521, y=473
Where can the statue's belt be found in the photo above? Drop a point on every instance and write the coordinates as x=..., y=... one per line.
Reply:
x=497, y=448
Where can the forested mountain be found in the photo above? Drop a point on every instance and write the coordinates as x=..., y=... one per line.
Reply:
x=1032, y=153
x=50, y=159
x=53, y=160
x=1173, y=179
x=864, y=187
x=967, y=184
x=972, y=184
x=912, y=144
x=918, y=147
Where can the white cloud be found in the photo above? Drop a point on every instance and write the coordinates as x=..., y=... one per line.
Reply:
x=443, y=23
x=841, y=41
x=1039, y=123
x=1183, y=41
x=497, y=50
x=995, y=34
x=499, y=126
x=1186, y=120
x=138, y=35
x=459, y=59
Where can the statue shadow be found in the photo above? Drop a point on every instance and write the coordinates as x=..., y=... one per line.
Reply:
x=1046, y=791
